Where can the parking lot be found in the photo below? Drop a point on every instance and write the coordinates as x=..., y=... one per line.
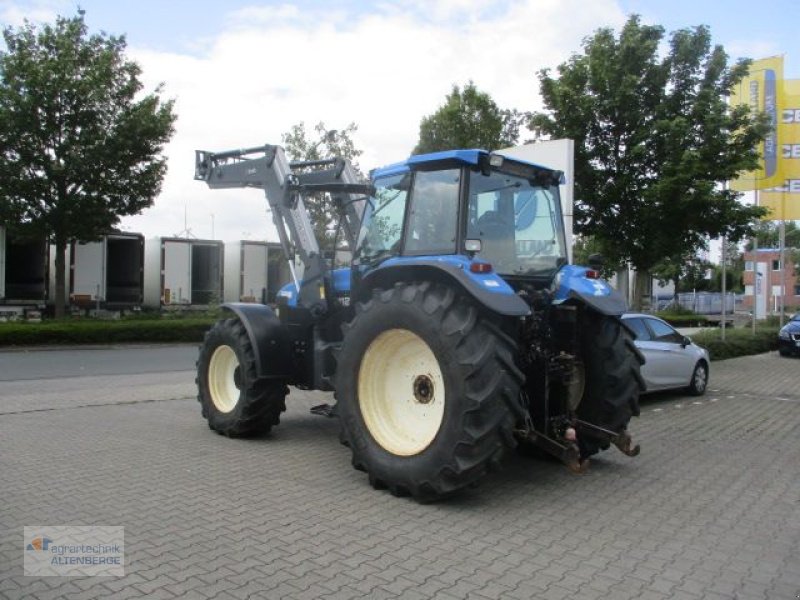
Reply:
x=710, y=509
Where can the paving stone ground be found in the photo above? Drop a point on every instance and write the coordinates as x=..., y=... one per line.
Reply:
x=710, y=509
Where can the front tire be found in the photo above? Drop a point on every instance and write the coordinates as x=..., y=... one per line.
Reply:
x=428, y=391
x=234, y=401
x=699, y=382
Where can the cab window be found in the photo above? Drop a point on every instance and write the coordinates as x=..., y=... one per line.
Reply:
x=382, y=224
x=433, y=217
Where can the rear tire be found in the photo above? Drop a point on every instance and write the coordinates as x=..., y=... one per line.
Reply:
x=234, y=401
x=428, y=391
x=613, y=378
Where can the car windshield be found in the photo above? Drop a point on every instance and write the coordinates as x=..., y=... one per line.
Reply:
x=518, y=223
x=796, y=317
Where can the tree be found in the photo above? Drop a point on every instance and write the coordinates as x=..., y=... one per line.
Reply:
x=654, y=141
x=768, y=235
x=584, y=247
x=468, y=119
x=79, y=145
x=686, y=272
x=329, y=143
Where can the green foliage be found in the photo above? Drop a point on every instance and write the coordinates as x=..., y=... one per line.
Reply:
x=584, y=247
x=768, y=235
x=687, y=272
x=468, y=119
x=738, y=342
x=677, y=316
x=80, y=145
x=326, y=143
x=653, y=140
x=677, y=310
x=92, y=331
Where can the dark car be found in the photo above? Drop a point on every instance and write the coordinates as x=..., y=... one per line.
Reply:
x=789, y=337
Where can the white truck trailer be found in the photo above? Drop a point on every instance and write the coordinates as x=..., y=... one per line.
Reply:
x=254, y=271
x=23, y=271
x=183, y=272
x=108, y=273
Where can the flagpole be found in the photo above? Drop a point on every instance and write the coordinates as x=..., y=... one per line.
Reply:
x=783, y=254
x=724, y=282
x=755, y=272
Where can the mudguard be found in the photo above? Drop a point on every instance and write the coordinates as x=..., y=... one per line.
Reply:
x=488, y=289
x=571, y=283
x=269, y=339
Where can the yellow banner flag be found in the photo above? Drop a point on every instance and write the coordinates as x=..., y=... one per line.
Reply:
x=760, y=90
x=784, y=200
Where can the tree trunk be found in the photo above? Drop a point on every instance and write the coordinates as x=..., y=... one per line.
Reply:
x=641, y=291
x=623, y=283
x=61, y=292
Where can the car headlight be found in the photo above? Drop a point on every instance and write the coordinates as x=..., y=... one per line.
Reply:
x=784, y=335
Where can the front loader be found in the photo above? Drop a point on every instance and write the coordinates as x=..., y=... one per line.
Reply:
x=458, y=332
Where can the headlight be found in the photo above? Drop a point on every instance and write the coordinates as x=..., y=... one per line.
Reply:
x=784, y=335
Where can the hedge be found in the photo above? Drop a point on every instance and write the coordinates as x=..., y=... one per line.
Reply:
x=90, y=331
x=738, y=342
x=683, y=320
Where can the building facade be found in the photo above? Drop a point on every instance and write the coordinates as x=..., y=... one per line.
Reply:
x=765, y=281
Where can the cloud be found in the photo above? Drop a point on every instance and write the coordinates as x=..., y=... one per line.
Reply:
x=386, y=68
x=38, y=12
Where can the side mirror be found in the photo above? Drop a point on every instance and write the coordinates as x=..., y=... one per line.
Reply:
x=686, y=341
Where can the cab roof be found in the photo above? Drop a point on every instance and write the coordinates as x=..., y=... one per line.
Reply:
x=420, y=161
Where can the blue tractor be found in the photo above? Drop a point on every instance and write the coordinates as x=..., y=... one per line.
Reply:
x=458, y=332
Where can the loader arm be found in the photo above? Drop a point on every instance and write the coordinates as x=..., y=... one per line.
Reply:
x=285, y=184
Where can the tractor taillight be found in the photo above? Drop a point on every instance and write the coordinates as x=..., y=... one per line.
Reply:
x=480, y=267
x=592, y=274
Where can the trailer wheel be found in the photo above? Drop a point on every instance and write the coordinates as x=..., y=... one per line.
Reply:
x=613, y=379
x=428, y=391
x=233, y=400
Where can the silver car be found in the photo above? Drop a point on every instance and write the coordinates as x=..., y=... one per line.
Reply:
x=673, y=360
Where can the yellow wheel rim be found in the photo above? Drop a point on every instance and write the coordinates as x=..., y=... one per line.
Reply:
x=223, y=379
x=401, y=392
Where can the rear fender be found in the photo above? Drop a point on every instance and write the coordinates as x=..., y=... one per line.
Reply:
x=573, y=286
x=269, y=339
x=489, y=289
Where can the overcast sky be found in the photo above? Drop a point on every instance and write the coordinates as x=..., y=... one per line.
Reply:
x=242, y=73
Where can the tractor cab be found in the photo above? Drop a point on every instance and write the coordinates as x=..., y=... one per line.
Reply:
x=500, y=212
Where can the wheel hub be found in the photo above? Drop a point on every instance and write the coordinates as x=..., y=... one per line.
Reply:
x=401, y=392
x=423, y=389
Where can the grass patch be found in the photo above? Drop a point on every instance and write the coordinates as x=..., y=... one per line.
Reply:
x=738, y=342
x=96, y=331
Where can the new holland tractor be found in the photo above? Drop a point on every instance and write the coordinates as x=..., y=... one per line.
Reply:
x=458, y=332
